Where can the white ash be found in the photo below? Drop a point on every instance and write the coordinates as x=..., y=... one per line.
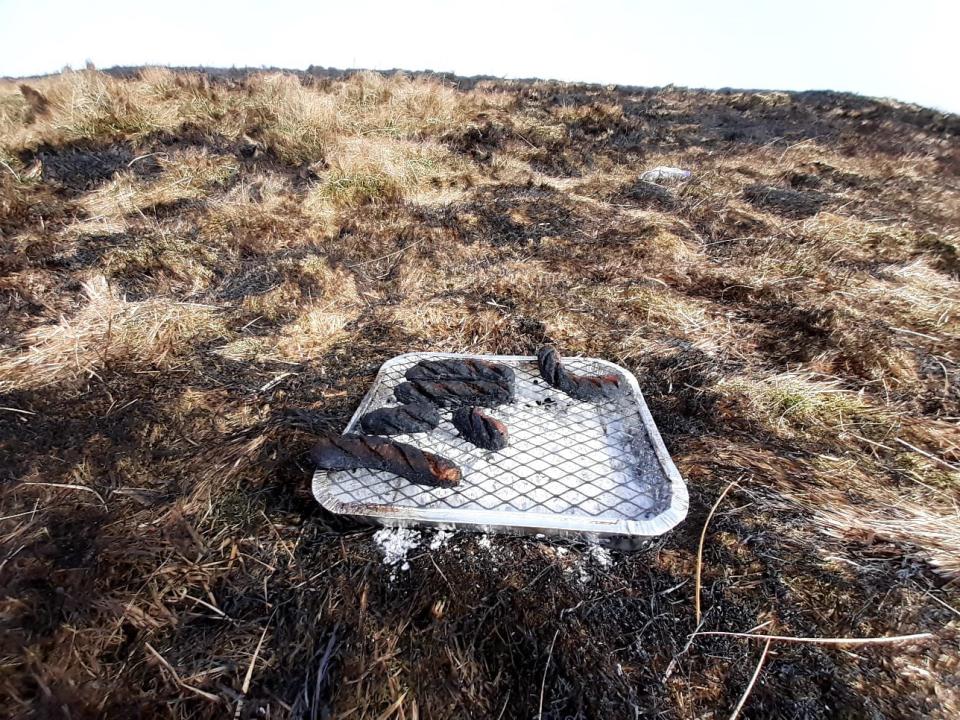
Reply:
x=395, y=543
x=601, y=556
x=440, y=539
x=594, y=556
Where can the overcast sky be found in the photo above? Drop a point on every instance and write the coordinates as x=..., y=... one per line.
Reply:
x=904, y=50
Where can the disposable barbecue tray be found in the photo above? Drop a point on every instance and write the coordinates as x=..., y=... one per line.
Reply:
x=571, y=468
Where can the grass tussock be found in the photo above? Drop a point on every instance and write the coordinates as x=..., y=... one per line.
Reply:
x=108, y=329
x=313, y=332
x=364, y=171
x=922, y=297
x=183, y=176
x=80, y=106
x=173, y=262
x=928, y=529
x=256, y=216
x=303, y=123
x=797, y=403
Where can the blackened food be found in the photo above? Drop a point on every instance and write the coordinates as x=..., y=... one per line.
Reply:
x=352, y=451
x=480, y=429
x=401, y=420
x=461, y=369
x=580, y=387
x=454, y=393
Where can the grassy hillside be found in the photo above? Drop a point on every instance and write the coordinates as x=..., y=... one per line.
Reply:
x=198, y=272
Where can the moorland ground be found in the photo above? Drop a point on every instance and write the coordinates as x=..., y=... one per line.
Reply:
x=198, y=271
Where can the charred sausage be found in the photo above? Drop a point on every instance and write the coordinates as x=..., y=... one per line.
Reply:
x=352, y=451
x=454, y=393
x=480, y=429
x=580, y=387
x=401, y=420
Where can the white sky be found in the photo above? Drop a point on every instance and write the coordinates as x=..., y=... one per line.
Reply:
x=905, y=50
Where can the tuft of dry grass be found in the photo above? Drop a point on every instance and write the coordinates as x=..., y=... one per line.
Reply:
x=921, y=297
x=312, y=333
x=256, y=216
x=184, y=176
x=801, y=403
x=302, y=123
x=299, y=122
x=367, y=171
x=108, y=329
x=176, y=263
x=89, y=105
x=923, y=529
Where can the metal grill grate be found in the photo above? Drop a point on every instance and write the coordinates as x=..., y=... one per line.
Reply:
x=571, y=466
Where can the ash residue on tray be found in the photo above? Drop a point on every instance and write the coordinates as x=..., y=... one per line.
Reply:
x=648, y=465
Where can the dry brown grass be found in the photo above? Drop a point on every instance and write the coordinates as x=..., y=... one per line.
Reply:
x=381, y=170
x=183, y=176
x=802, y=403
x=199, y=271
x=108, y=329
x=304, y=123
x=922, y=519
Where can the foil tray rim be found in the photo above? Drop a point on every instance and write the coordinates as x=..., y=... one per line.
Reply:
x=514, y=520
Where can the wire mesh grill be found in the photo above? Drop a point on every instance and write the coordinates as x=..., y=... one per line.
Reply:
x=570, y=465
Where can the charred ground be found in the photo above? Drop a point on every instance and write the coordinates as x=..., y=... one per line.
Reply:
x=198, y=271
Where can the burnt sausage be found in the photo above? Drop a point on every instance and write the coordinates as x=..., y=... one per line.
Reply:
x=352, y=451
x=580, y=387
x=454, y=393
x=401, y=420
x=480, y=429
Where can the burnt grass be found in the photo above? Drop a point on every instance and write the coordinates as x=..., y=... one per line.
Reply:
x=159, y=538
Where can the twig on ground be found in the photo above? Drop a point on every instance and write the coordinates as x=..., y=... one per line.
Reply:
x=17, y=410
x=753, y=680
x=947, y=605
x=68, y=486
x=504, y=709
x=889, y=639
x=283, y=543
x=946, y=375
x=10, y=557
x=211, y=606
x=12, y=171
x=176, y=676
x=16, y=515
x=388, y=255
x=276, y=381
x=322, y=669
x=671, y=666
x=918, y=334
x=143, y=157
x=928, y=455
x=703, y=535
x=543, y=683
x=441, y=572
x=253, y=661
x=393, y=707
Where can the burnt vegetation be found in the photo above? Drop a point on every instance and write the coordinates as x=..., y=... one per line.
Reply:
x=200, y=273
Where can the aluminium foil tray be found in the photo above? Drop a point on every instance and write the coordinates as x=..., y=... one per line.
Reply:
x=572, y=468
